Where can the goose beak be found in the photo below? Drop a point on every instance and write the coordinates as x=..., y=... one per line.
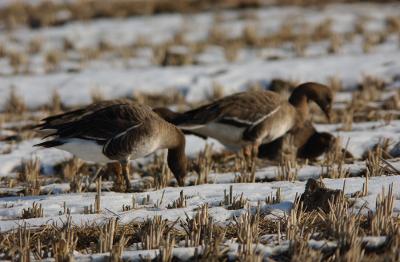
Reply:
x=328, y=114
x=329, y=117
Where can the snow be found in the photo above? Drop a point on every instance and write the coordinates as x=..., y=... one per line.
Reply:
x=114, y=77
x=211, y=194
x=195, y=82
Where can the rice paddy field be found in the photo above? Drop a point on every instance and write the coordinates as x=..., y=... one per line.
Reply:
x=59, y=55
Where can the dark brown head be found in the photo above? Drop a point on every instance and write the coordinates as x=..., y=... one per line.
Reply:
x=320, y=94
x=177, y=161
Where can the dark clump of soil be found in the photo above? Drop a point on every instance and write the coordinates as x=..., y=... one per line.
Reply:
x=316, y=196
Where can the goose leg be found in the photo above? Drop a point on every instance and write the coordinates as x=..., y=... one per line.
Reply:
x=118, y=184
x=254, y=150
x=251, y=151
x=125, y=172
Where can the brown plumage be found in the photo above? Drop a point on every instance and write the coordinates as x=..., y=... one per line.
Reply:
x=308, y=142
x=253, y=117
x=116, y=130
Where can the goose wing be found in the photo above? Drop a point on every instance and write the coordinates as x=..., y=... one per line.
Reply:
x=242, y=109
x=77, y=114
x=98, y=122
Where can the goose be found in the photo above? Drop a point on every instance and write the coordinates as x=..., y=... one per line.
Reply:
x=308, y=142
x=116, y=131
x=248, y=119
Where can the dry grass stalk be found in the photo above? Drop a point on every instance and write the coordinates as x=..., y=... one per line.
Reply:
x=66, y=210
x=23, y=244
x=233, y=202
x=161, y=179
x=215, y=251
x=371, y=88
x=392, y=24
x=56, y=104
x=30, y=175
x=335, y=161
x=97, y=95
x=88, y=209
x=271, y=199
x=180, y=202
x=238, y=202
x=107, y=235
x=199, y=229
x=32, y=212
x=152, y=232
x=68, y=44
x=246, y=167
x=217, y=91
x=228, y=198
x=166, y=250
x=204, y=165
x=382, y=221
x=35, y=45
x=117, y=249
x=130, y=207
x=373, y=162
x=71, y=168
x=176, y=56
x=335, y=44
x=294, y=222
x=52, y=60
x=231, y=52
x=347, y=120
x=300, y=46
x=287, y=169
x=335, y=83
x=364, y=189
x=250, y=35
x=17, y=61
x=65, y=243
x=323, y=30
x=15, y=103
x=3, y=50
x=71, y=172
x=76, y=184
x=97, y=201
x=300, y=250
x=344, y=226
x=247, y=227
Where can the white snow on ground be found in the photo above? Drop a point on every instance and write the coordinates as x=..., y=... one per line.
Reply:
x=211, y=194
x=116, y=78
x=196, y=82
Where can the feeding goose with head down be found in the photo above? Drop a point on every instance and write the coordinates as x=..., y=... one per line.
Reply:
x=116, y=131
x=248, y=119
x=307, y=141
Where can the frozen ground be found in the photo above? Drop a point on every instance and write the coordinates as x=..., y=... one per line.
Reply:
x=112, y=77
x=115, y=77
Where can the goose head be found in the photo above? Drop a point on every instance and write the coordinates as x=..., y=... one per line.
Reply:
x=319, y=93
x=177, y=161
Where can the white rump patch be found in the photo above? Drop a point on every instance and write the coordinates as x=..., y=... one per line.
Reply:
x=85, y=149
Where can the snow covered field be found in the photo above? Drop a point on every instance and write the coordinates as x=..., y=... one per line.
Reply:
x=180, y=61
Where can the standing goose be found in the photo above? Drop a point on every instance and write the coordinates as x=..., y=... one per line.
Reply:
x=116, y=131
x=248, y=119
